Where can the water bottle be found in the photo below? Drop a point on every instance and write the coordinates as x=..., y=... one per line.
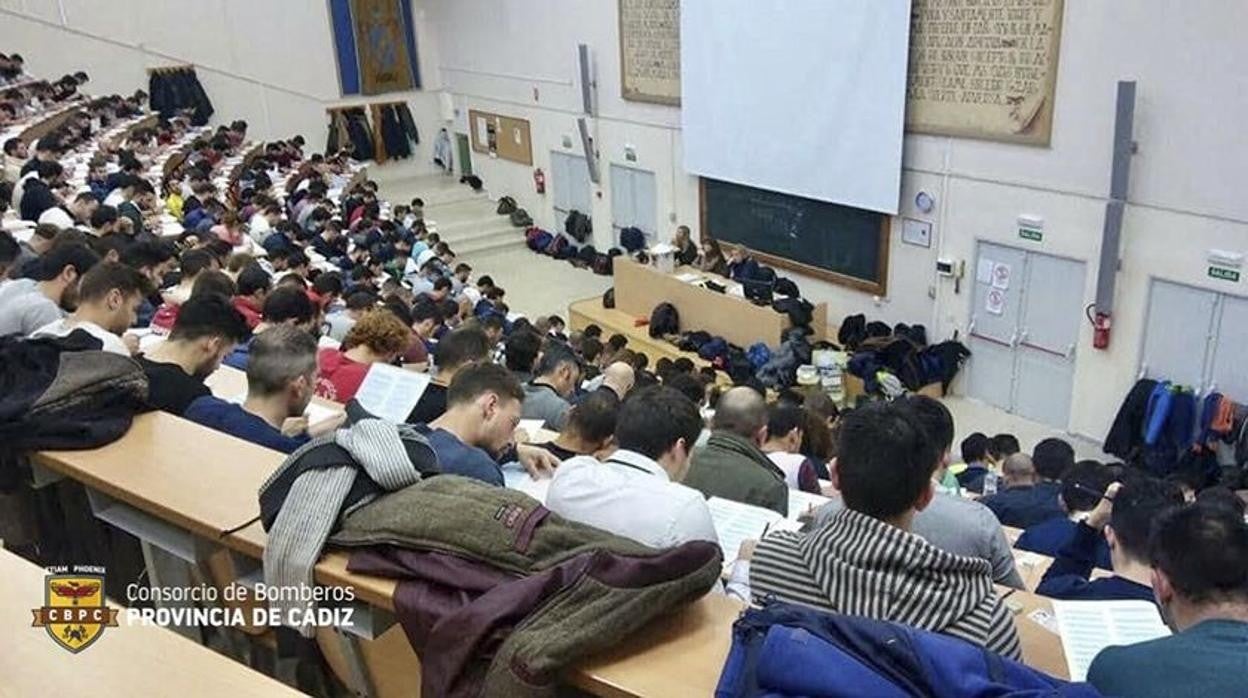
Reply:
x=990, y=483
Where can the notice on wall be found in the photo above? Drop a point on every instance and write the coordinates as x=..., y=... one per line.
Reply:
x=650, y=50
x=994, y=302
x=984, y=68
x=1001, y=276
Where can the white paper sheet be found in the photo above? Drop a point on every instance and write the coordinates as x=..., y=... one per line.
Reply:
x=1087, y=627
x=515, y=477
x=531, y=426
x=736, y=522
x=983, y=272
x=802, y=502
x=390, y=392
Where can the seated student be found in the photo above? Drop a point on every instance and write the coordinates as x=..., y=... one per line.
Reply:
x=28, y=304
x=636, y=492
x=1003, y=446
x=108, y=301
x=864, y=560
x=978, y=461
x=192, y=263
x=732, y=465
x=957, y=526
x=558, y=329
x=482, y=411
x=338, y=323
x=208, y=327
x=425, y=318
x=589, y=429
x=713, y=259
x=686, y=251
x=1222, y=496
x=457, y=350
x=281, y=375
x=785, y=423
x=379, y=337
x=1052, y=458
x=254, y=284
x=1021, y=502
x=520, y=353
x=284, y=306
x=1077, y=499
x=741, y=265
x=1123, y=516
x=546, y=396
x=1199, y=559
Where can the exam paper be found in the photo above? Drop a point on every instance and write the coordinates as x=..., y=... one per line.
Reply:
x=802, y=502
x=736, y=522
x=390, y=392
x=1087, y=627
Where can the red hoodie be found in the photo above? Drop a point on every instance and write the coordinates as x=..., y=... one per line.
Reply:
x=249, y=309
x=340, y=377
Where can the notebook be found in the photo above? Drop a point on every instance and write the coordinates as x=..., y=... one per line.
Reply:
x=1087, y=627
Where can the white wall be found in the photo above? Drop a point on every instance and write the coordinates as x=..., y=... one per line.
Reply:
x=270, y=62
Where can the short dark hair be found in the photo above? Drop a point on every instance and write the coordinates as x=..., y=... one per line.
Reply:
x=521, y=350
x=491, y=322
x=73, y=254
x=653, y=419
x=10, y=145
x=426, y=311
x=253, y=278
x=783, y=418
x=1138, y=503
x=49, y=169
x=592, y=330
x=1083, y=476
x=209, y=315
x=1004, y=445
x=277, y=356
x=594, y=417
x=1203, y=550
x=361, y=300
x=213, y=281
x=1222, y=496
x=555, y=357
x=192, y=262
x=975, y=447
x=617, y=342
x=935, y=418
x=475, y=380
x=328, y=283
x=590, y=348
x=885, y=459
x=485, y=280
x=683, y=364
x=466, y=345
x=288, y=303
x=1052, y=458
x=442, y=284
x=106, y=276
x=147, y=254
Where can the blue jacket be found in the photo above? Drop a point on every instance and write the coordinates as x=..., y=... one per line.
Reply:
x=744, y=270
x=1068, y=576
x=238, y=358
x=1206, y=660
x=788, y=650
x=1049, y=537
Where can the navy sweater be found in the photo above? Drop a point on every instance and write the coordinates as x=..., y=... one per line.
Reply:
x=1068, y=576
x=1049, y=537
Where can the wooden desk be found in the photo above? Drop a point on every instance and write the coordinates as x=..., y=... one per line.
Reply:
x=125, y=661
x=639, y=288
x=589, y=311
x=1042, y=648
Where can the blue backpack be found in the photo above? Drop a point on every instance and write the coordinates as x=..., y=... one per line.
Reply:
x=787, y=650
x=759, y=355
x=632, y=239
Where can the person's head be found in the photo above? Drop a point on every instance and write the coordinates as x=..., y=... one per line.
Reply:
x=1199, y=558
x=15, y=148
x=1019, y=471
x=462, y=272
x=712, y=249
x=49, y=171
x=687, y=385
x=662, y=425
x=521, y=350
x=1003, y=446
x=937, y=421
x=1223, y=496
x=441, y=289
x=208, y=328
x=1081, y=482
x=155, y=259
x=592, y=421
x=560, y=369
x=281, y=366
x=975, y=448
x=425, y=318
x=254, y=283
x=617, y=342
x=194, y=262
x=328, y=286
x=213, y=281
x=885, y=461
x=361, y=301
x=785, y=424
x=491, y=397
x=62, y=267
x=619, y=377
x=556, y=324
x=104, y=220
x=682, y=235
x=742, y=411
x=492, y=326
x=1139, y=502
x=110, y=295
x=289, y=305
x=382, y=332
x=1053, y=457
x=460, y=348
x=663, y=368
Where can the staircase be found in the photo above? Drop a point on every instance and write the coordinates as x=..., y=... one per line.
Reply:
x=464, y=219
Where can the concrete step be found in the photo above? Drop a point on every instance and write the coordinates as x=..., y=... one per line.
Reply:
x=489, y=240
x=460, y=211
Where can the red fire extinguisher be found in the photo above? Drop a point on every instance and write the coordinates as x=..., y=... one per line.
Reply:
x=539, y=180
x=1101, y=326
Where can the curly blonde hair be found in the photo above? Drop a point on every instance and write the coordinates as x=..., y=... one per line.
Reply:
x=379, y=330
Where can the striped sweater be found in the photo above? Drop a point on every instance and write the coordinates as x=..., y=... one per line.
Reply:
x=861, y=566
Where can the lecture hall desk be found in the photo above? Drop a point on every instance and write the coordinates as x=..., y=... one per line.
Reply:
x=124, y=661
x=164, y=466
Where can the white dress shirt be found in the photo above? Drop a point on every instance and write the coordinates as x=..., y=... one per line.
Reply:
x=632, y=496
x=62, y=327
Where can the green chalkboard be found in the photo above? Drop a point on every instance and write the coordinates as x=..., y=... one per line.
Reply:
x=838, y=243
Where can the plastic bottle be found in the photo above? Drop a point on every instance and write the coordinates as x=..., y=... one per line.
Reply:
x=990, y=483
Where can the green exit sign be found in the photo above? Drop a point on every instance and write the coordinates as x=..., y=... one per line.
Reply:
x=1224, y=274
x=1032, y=234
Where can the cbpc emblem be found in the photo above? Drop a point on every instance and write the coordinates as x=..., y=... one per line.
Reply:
x=74, y=613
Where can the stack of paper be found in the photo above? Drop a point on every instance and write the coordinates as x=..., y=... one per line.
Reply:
x=736, y=522
x=1087, y=627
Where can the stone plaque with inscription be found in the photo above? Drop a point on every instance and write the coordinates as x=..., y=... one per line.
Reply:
x=984, y=68
x=650, y=50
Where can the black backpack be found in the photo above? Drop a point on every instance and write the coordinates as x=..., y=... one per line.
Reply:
x=800, y=311
x=608, y=298
x=506, y=205
x=787, y=287
x=603, y=264
x=521, y=218
x=578, y=226
x=472, y=181
x=632, y=239
x=664, y=320
x=585, y=256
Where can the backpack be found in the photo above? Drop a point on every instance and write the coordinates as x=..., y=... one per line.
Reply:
x=758, y=354
x=664, y=320
x=787, y=287
x=537, y=239
x=585, y=256
x=608, y=298
x=845, y=656
x=472, y=181
x=800, y=311
x=713, y=348
x=506, y=205
x=852, y=331
x=693, y=341
x=632, y=239
x=603, y=264
x=558, y=247
x=578, y=225
x=521, y=218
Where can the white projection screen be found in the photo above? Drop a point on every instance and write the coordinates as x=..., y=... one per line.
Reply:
x=805, y=97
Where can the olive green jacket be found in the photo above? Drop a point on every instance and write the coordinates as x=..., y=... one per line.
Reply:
x=732, y=467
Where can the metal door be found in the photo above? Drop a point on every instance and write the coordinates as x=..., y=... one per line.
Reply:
x=465, y=154
x=1178, y=331
x=1052, y=309
x=569, y=182
x=1228, y=373
x=995, y=320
